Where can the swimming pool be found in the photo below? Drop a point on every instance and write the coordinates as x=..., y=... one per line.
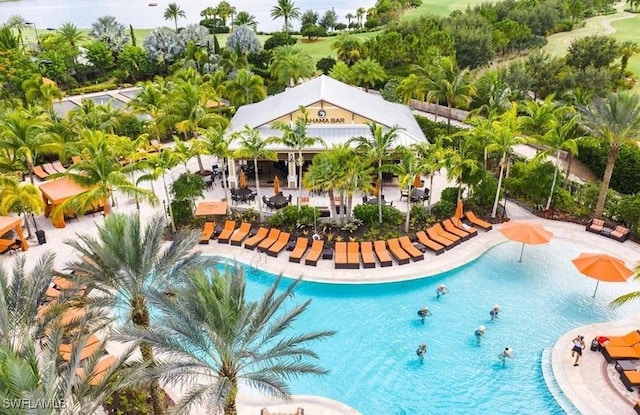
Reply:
x=372, y=359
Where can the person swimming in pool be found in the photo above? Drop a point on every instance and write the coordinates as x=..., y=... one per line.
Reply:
x=479, y=333
x=506, y=353
x=424, y=312
x=422, y=349
x=441, y=290
x=494, y=312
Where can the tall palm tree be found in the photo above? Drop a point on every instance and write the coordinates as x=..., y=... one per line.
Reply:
x=462, y=164
x=23, y=199
x=224, y=10
x=152, y=99
x=37, y=92
x=287, y=10
x=123, y=261
x=296, y=137
x=615, y=120
x=218, y=337
x=173, y=12
x=253, y=146
x=245, y=19
x=217, y=144
x=406, y=170
x=290, y=64
x=70, y=32
x=322, y=176
x=377, y=148
x=246, y=88
x=432, y=157
x=493, y=95
x=360, y=13
x=348, y=48
x=366, y=72
x=349, y=17
x=19, y=23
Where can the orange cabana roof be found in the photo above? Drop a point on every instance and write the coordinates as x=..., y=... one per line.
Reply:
x=59, y=190
x=9, y=222
x=211, y=208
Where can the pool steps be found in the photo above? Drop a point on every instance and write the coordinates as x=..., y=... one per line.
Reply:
x=552, y=385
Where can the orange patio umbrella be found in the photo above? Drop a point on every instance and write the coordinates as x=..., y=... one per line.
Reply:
x=527, y=233
x=376, y=189
x=417, y=181
x=602, y=267
x=459, y=212
x=242, y=180
x=276, y=185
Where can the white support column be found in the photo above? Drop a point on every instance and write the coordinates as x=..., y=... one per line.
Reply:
x=292, y=178
x=233, y=177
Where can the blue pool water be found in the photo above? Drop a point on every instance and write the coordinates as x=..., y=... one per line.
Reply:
x=372, y=360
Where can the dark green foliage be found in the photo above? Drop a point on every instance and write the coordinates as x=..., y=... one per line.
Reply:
x=313, y=32
x=182, y=212
x=290, y=217
x=128, y=125
x=530, y=181
x=132, y=400
x=389, y=92
x=215, y=25
x=325, y=64
x=132, y=35
x=485, y=192
x=100, y=56
x=188, y=186
x=279, y=39
x=626, y=173
x=627, y=210
x=381, y=231
x=419, y=216
x=133, y=61
x=434, y=129
x=7, y=39
x=368, y=214
x=596, y=51
x=443, y=209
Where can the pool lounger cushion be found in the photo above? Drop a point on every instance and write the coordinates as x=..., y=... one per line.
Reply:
x=229, y=228
x=240, y=234
x=252, y=242
x=275, y=249
x=207, y=232
x=382, y=253
x=612, y=353
x=432, y=245
x=368, y=258
x=413, y=252
x=353, y=255
x=314, y=253
x=340, y=255
x=299, y=249
x=630, y=378
x=271, y=239
x=398, y=253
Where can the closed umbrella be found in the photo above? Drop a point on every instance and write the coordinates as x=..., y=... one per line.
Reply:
x=376, y=190
x=417, y=181
x=276, y=185
x=602, y=267
x=242, y=180
x=459, y=213
x=527, y=233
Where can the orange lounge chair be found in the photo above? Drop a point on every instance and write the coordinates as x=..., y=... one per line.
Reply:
x=451, y=228
x=48, y=167
x=99, y=370
x=279, y=245
x=434, y=246
x=91, y=345
x=253, y=241
x=630, y=339
x=469, y=229
x=384, y=258
x=340, y=255
x=353, y=255
x=76, y=159
x=229, y=228
x=207, y=232
x=398, y=253
x=271, y=239
x=299, y=249
x=40, y=173
x=413, y=252
x=58, y=166
x=434, y=236
x=630, y=378
x=595, y=226
x=440, y=231
x=368, y=258
x=314, y=253
x=240, y=234
x=612, y=353
x=471, y=217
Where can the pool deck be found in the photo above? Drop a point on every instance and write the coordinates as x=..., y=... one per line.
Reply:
x=593, y=387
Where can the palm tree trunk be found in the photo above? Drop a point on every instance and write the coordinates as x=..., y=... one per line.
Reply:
x=229, y=407
x=225, y=186
x=380, y=191
x=166, y=192
x=200, y=165
x=332, y=202
x=408, y=218
x=429, y=197
x=157, y=398
x=566, y=175
x=608, y=171
x=255, y=168
x=448, y=118
x=553, y=183
x=497, y=199
x=349, y=204
x=26, y=223
x=176, y=22
x=30, y=168
x=299, y=176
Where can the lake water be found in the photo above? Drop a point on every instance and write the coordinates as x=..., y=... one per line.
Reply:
x=53, y=13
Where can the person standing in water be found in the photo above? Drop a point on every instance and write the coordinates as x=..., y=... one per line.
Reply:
x=479, y=333
x=494, y=312
x=422, y=349
x=424, y=312
x=506, y=353
x=441, y=290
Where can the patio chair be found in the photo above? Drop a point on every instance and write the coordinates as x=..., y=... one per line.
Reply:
x=240, y=234
x=630, y=379
x=299, y=249
x=273, y=236
x=207, y=232
x=434, y=236
x=620, y=234
x=253, y=241
x=405, y=194
x=48, y=167
x=432, y=245
x=612, y=353
x=595, y=226
x=99, y=371
x=398, y=253
x=229, y=228
x=630, y=339
x=368, y=258
x=40, y=173
x=340, y=255
x=59, y=167
x=413, y=252
x=380, y=248
x=451, y=228
x=314, y=253
x=467, y=228
x=275, y=249
x=471, y=217
x=440, y=231
x=353, y=255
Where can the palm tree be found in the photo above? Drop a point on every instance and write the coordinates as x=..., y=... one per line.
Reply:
x=349, y=17
x=218, y=337
x=37, y=92
x=152, y=100
x=224, y=10
x=615, y=120
x=253, y=146
x=348, y=48
x=246, y=88
x=628, y=48
x=23, y=199
x=432, y=157
x=322, y=176
x=122, y=261
x=217, y=144
x=245, y=19
x=19, y=23
x=493, y=95
x=406, y=170
x=296, y=137
x=287, y=10
x=360, y=13
x=173, y=12
x=412, y=87
x=366, y=72
x=377, y=148
x=342, y=72
x=290, y=64
x=70, y=32
x=462, y=164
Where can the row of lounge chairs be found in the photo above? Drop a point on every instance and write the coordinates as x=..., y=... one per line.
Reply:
x=620, y=348
x=45, y=170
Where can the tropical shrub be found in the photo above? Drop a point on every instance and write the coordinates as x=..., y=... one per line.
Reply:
x=279, y=39
x=627, y=210
x=162, y=45
x=290, y=217
x=626, y=172
x=107, y=29
x=243, y=41
x=530, y=181
x=369, y=214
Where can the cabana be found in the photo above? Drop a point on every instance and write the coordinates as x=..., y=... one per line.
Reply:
x=8, y=223
x=54, y=193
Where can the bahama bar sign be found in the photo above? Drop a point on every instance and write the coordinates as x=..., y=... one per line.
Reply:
x=326, y=120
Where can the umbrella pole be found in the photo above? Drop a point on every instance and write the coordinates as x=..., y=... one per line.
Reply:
x=596, y=290
x=521, y=251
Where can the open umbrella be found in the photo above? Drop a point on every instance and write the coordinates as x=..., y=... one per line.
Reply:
x=527, y=233
x=602, y=267
x=276, y=185
x=459, y=213
x=242, y=180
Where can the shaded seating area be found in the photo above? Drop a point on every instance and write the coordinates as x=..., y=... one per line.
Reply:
x=619, y=233
x=7, y=224
x=299, y=250
x=476, y=221
x=278, y=201
x=314, y=253
x=207, y=232
x=55, y=192
x=243, y=195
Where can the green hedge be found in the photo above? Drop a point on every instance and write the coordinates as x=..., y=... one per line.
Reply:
x=626, y=173
x=369, y=214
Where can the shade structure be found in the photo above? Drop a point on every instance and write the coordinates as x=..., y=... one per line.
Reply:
x=276, y=185
x=211, y=208
x=55, y=192
x=527, y=233
x=8, y=223
x=242, y=180
x=417, y=181
x=459, y=209
x=602, y=267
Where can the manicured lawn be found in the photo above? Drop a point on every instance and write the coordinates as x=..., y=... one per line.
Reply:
x=440, y=7
x=627, y=29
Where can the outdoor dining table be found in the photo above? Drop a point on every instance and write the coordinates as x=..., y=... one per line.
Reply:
x=242, y=191
x=374, y=201
x=279, y=201
x=419, y=195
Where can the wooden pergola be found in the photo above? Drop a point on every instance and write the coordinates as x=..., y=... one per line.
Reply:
x=8, y=223
x=54, y=193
